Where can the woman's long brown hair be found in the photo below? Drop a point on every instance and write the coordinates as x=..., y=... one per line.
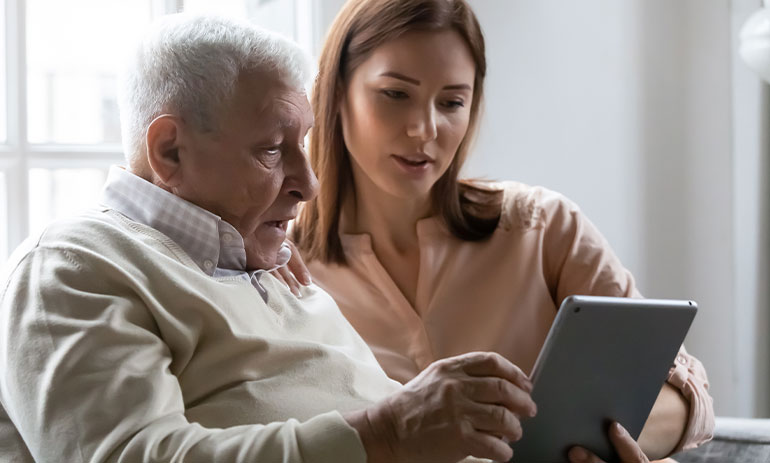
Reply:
x=470, y=211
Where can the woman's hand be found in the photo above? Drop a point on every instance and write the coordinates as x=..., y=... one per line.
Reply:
x=628, y=449
x=295, y=272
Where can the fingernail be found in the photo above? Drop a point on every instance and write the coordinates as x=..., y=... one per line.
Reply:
x=619, y=430
x=533, y=411
x=307, y=280
x=578, y=453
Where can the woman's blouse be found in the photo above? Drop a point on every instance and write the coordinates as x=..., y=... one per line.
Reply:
x=500, y=294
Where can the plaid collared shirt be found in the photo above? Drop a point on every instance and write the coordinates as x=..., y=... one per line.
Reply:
x=212, y=243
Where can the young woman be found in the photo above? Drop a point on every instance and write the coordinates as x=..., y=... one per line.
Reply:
x=425, y=265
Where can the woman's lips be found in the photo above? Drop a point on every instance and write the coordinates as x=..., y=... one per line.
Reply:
x=415, y=165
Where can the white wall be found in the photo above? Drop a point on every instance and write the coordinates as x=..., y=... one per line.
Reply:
x=751, y=199
x=626, y=106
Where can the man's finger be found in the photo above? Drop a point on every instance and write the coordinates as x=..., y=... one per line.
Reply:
x=483, y=445
x=494, y=364
x=491, y=390
x=495, y=420
x=628, y=449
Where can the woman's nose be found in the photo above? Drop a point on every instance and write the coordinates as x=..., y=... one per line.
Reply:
x=423, y=125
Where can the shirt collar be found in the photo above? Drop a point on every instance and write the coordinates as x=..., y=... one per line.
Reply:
x=210, y=241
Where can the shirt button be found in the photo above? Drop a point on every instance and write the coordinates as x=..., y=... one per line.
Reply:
x=208, y=265
x=227, y=237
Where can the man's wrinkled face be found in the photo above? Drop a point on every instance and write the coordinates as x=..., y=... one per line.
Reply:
x=252, y=170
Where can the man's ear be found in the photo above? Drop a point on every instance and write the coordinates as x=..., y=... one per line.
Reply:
x=163, y=143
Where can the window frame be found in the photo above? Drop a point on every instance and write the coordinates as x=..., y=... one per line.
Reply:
x=18, y=156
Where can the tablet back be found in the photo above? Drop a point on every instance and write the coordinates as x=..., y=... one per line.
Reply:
x=605, y=359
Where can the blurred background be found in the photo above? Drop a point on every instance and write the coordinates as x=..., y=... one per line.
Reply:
x=639, y=110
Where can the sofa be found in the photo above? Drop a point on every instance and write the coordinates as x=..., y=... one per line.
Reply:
x=736, y=440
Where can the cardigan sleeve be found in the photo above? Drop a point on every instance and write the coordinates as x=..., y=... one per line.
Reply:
x=86, y=379
x=578, y=260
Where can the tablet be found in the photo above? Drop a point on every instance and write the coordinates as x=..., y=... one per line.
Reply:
x=605, y=359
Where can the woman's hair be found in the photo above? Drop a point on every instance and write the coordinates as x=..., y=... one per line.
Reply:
x=470, y=211
x=190, y=65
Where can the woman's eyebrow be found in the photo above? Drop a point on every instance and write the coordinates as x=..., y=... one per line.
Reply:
x=414, y=81
x=458, y=87
x=396, y=75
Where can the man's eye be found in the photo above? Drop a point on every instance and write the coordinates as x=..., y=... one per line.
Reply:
x=272, y=150
x=394, y=94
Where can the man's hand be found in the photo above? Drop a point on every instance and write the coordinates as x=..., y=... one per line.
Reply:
x=295, y=272
x=627, y=448
x=471, y=404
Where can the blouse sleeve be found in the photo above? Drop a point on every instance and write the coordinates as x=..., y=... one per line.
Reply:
x=578, y=260
x=86, y=379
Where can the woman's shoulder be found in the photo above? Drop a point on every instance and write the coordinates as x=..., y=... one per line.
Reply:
x=527, y=206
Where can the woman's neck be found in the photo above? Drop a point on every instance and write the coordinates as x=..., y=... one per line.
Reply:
x=391, y=221
x=392, y=224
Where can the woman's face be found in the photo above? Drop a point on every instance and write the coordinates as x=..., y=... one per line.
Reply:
x=405, y=111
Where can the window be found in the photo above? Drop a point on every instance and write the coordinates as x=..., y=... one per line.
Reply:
x=3, y=217
x=72, y=63
x=59, y=123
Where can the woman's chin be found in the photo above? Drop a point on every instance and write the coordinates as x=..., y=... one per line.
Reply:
x=409, y=189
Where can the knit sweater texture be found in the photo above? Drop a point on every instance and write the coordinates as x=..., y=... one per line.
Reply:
x=116, y=347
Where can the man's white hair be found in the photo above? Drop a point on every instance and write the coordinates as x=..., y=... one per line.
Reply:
x=189, y=65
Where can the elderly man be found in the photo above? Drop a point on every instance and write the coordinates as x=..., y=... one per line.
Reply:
x=149, y=329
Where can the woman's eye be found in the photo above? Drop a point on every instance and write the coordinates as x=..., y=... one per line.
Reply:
x=394, y=94
x=454, y=104
x=272, y=150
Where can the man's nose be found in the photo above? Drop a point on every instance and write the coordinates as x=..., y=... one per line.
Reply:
x=300, y=180
x=422, y=124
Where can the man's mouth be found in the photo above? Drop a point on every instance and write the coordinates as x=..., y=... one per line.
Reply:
x=282, y=224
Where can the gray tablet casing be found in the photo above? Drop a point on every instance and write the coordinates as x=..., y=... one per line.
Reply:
x=605, y=359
